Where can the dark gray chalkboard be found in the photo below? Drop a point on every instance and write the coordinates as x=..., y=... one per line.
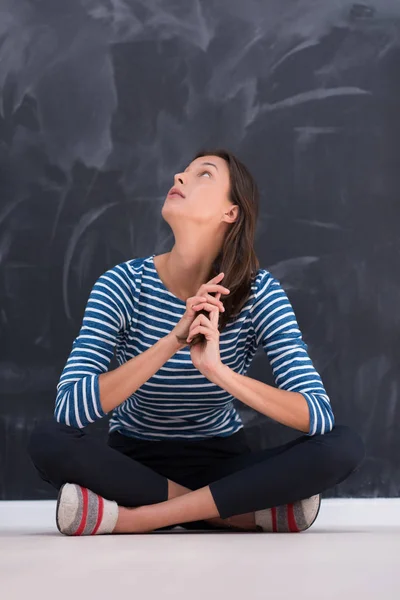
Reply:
x=103, y=101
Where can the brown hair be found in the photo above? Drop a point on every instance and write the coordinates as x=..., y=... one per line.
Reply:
x=237, y=258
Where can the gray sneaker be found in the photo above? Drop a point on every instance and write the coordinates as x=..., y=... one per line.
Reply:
x=82, y=512
x=287, y=518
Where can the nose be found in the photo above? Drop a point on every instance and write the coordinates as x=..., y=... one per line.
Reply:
x=179, y=177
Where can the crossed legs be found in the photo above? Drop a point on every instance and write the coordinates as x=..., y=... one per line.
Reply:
x=225, y=495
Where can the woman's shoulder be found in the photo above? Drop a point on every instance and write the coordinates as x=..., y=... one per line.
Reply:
x=262, y=279
x=264, y=287
x=118, y=285
x=129, y=269
x=121, y=280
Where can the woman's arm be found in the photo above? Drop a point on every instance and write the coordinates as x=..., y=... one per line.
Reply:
x=117, y=385
x=278, y=332
x=87, y=391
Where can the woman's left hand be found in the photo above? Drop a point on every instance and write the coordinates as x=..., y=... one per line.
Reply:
x=205, y=356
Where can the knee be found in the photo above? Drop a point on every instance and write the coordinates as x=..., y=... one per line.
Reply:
x=44, y=442
x=348, y=450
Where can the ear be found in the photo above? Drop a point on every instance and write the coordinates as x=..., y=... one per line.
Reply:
x=232, y=214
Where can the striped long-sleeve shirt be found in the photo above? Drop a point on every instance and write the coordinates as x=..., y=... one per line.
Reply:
x=129, y=309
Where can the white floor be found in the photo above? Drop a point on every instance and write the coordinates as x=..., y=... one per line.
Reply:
x=351, y=551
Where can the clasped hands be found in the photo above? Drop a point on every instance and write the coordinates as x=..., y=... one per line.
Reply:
x=205, y=356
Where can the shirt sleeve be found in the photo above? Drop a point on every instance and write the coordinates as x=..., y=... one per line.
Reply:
x=106, y=316
x=278, y=332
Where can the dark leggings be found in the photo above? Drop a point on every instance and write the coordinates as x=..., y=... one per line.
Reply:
x=135, y=472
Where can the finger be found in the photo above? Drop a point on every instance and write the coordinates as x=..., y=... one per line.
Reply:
x=201, y=319
x=215, y=288
x=211, y=321
x=195, y=300
x=218, y=277
x=200, y=329
x=214, y=317
x=207, y=306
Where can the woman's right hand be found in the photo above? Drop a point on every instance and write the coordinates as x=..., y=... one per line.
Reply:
x=202, y=300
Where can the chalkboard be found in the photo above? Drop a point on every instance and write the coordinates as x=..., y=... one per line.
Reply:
x=103, y=101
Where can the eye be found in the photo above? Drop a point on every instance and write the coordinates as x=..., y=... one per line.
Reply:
x=202, y=173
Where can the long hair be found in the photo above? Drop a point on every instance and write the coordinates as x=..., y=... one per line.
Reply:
x=237, y=258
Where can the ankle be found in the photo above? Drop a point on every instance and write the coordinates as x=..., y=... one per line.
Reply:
x=133, y=519
x=244, y=522
x=126, y=519
x=175, y=490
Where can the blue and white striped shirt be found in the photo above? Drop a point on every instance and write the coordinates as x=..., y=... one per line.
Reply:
x=129, y=309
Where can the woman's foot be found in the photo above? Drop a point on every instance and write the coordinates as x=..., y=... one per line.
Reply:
x=82, y=512
x=245, y=522
x=286, y=518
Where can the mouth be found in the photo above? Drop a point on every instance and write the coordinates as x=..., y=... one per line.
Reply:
x=175, y=192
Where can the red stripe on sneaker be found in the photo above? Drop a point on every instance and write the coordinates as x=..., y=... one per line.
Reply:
x=81, y=527
x=273, y=511
x=291, y=519
x=100, y=510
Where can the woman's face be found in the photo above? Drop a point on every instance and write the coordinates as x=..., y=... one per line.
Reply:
x=205, y=184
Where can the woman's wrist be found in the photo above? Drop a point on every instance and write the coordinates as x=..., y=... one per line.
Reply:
x=174, y=342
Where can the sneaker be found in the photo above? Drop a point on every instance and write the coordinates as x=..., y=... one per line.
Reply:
x=286, y=518
x=82, y=512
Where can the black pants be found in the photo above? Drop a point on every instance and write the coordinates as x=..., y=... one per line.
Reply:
x=135, y=472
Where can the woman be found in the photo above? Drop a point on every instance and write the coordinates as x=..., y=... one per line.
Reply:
x=177, y=452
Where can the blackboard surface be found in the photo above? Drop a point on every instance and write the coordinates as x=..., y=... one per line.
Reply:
x=103, y=101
